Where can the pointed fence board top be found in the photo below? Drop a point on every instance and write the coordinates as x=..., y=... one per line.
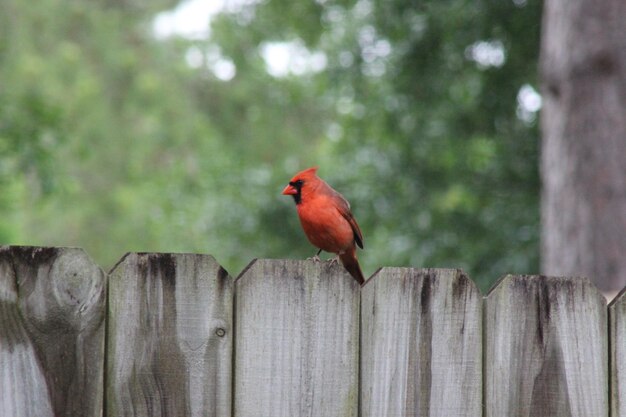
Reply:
x=52, y=305
x=297, y=341
x=169, y=337
x=421, y=344
x=546, y=348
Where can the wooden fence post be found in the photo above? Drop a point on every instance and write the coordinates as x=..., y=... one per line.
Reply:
x=617, y=354
x=51, y=333
x=297, y=344
x=546, y=348
x=169, y=337
x=421, y=344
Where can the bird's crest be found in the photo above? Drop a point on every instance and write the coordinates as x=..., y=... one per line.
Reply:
x=307, y=173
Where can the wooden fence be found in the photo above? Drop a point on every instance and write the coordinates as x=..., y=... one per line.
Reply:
x=174, y=335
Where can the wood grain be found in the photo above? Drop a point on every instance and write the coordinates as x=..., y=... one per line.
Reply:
x=297, y=340
x=169, y=337
x=546, y=348
x=52, y=332
x=617, y=354
x=420, y=344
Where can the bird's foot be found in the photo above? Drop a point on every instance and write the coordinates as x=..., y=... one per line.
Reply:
x=334, y=260
x=315, y=258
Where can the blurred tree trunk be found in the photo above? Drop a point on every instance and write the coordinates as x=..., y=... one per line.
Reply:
x=583, y=66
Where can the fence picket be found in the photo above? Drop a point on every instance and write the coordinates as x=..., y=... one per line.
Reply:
x=169, y=337
x=420, y=344
x=617, y=320
x=546, y=348
x=296, y=350
x=52, y=303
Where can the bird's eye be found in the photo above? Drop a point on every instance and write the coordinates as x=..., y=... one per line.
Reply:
x=296, y=184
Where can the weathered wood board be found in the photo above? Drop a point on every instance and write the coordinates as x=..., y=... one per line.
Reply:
x=170, y=337
x=421, y=352
x=297, y=343
x=617, y=355
x=52, y=304
x=546, y=348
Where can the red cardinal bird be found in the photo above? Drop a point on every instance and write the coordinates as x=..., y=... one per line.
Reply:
x=326, y=219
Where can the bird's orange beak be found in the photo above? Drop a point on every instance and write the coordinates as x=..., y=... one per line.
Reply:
x=290, y=190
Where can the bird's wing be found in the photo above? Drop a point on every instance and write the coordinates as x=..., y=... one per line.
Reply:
x=344, y=208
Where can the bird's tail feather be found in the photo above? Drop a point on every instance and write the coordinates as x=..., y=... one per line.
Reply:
x=351, y=263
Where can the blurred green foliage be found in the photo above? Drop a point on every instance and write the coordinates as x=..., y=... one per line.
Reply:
x=110, y=140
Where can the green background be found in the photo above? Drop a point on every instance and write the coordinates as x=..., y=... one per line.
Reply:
x=111, y=141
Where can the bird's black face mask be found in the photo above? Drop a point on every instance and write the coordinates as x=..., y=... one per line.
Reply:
x=297, y=197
